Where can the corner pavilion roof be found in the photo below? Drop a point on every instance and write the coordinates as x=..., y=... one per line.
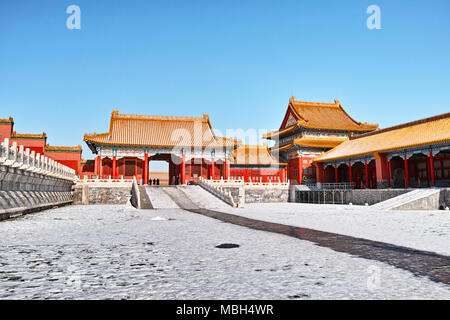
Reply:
x=253, y=155
x=317, y=115
x=427, y=131
x=160, y=131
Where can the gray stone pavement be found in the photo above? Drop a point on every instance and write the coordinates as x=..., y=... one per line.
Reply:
x=117, y=252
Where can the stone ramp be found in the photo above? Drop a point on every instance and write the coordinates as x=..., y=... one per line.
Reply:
x=184, y=197
x=180, y=198
x=202, y=198
x=418, y=199
x=159, y=199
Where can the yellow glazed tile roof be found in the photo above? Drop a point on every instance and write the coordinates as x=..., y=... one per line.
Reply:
x=10, y=120
x=49, y=148
x=313, y=142
x=422, y=132
x=164, y=131
x=253, y=155
x=16, y=135
x=317, y=115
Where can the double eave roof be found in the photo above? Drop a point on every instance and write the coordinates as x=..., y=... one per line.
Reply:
x=312, y=142
x=321, y=116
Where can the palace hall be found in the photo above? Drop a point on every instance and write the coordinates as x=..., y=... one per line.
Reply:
x=188, y=144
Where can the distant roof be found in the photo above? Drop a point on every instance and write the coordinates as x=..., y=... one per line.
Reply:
x=253, y=155
x=422, y=132
x=16, y=135
x=317, y=115
x=49, y=148
x=164, y=131
x=10, y=120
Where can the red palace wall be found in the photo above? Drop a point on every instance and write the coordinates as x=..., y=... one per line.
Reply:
x=5, y=131
x=36, y=145
x=69, y=159
x=259, y=174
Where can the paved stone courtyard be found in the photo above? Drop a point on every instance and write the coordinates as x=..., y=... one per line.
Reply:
x=118, y=252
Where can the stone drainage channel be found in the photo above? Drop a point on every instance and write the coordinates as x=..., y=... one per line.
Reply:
x=421, y=263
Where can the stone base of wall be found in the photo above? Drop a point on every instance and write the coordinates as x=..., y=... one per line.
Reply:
x=17, y=203
x=372, y=196
x=266, y=194
x=440, y=200
x=237, y=194
x=356, y=196
x=102, y=193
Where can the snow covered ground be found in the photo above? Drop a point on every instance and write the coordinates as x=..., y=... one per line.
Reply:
x=424, y=230
x=159, y=199
x=115, y=252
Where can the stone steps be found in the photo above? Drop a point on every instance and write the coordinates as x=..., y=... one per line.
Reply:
x=417, y=199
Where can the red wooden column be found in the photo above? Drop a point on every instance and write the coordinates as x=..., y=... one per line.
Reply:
x=300, y=170
x=282, y=175
x=146, y=169
x=201, y=167
x=432, y=168
x=114, y=167
x=96, y=165
x=100, y=173
x=367, y=174
x=406, y=172
x=390, y=172
x=350, y=172
x=183, y=170
x=213, y=169
x=336, y=173
x=226, y=169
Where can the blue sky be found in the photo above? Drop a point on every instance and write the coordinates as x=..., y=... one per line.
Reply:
x=239, y=61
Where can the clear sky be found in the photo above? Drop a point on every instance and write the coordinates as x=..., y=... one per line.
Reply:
x=239, y=61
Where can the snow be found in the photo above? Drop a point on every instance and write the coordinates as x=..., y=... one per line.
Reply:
x=117, y=252
x=203, y=198
x=199, y=197
x=423, y=230
x=159, y=199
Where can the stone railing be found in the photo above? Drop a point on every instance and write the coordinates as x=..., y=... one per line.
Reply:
x=247, y=192
x=84, y=179
x=135, y=195
x=31, y=182
x=231, y=191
